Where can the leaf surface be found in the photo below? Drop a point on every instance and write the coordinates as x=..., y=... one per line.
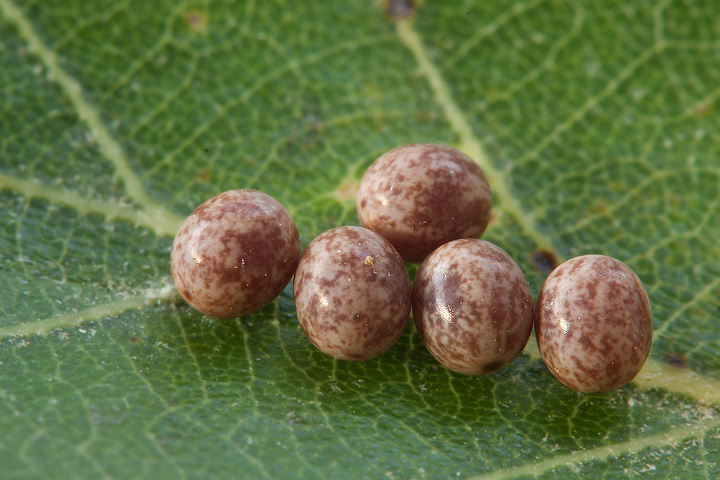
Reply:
x=595, y=122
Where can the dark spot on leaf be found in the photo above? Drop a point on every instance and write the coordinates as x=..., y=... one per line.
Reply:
x=544, y=261
x=196, y=20
x=133, y=339
x=203, y=174
x=702, y=109
x=400, y=9
x=599, y=207
x=425, y=116
x=676, y=360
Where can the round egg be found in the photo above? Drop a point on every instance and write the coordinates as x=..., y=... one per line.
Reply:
x=352, y=293
x=423, y=195
x=472, y=306
x=235, y=253
x=593, y=323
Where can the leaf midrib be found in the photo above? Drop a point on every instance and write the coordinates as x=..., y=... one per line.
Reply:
x=166, y=222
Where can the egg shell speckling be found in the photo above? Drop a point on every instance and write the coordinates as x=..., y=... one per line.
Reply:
x=593, y=323
x=235, y=253
x=352, y=293
x=472, y=306
x=423, y=195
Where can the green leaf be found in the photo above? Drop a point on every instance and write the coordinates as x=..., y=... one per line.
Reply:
x=596, y=123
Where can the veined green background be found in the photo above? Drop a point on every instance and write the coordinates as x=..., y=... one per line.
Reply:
x=597, y=123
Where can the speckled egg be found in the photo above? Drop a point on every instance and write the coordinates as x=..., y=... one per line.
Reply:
x=235, y=253
x=423, y=195
x=593, y=323
x=472, y=306
x=352, y=293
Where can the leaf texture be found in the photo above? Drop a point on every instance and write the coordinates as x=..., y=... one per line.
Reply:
x=596, y=123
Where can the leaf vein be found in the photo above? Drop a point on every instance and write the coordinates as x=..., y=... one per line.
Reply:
x=630, y=447
x=610, y=88
x=223, y=110
x=39, y=327
x=90, y=115
x=469, y=142
x=490, y=28
x=85, y=206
